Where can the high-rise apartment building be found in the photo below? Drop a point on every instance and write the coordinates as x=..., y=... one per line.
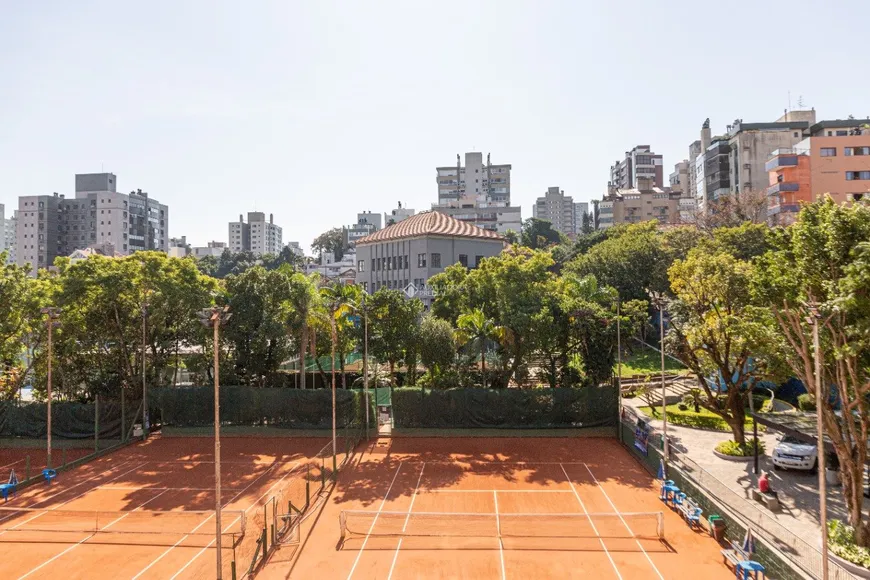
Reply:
x=639, y=163
x=98, y=216
x=366, y=223
x=638, y=205
x=582, y=217
x=8, y=241
x=558, y=209
x=679, y=179
x=38, y=237
x=834, y=159
x=257, y=236
x=478, y=193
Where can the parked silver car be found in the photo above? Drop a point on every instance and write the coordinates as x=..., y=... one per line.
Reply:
x=792, y=453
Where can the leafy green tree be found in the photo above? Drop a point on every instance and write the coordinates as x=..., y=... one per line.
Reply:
x=631, y=260
x=538, y=234
x=330, y=241
x=260, y=342
x=824, y=258
x=437, y=350
x=393, y=322
x=475, y=329
x=714, y=330
x=450, y=291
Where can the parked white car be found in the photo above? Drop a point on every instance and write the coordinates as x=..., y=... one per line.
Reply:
x=792, y=453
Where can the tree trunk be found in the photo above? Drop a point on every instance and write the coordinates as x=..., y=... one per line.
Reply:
x=343, y=373
x=302, y=344
x=483, y=362
x=392, y=372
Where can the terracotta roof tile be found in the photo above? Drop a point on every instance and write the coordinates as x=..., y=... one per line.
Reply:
x=429, y=223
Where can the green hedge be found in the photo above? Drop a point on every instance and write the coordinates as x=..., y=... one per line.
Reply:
x=253, y=406
x=505, y=408
x=69, y=420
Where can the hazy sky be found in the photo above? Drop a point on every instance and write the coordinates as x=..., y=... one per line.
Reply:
x=316, y=110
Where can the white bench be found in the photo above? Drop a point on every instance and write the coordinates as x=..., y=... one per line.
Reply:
x=735, y=555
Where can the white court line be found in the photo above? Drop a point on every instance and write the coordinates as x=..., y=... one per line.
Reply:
x=374, y=521
x=405, y=525
x=11, y=464
x=624, y=522
x=500, y=491
x=88, y=537
x=198, y=554
x=594, y=529
x=149, y=488
x=498, y=529
x=87, y=491
x=175, y=545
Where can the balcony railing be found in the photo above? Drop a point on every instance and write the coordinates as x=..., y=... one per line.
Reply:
x=782, y=158
x=783, y=186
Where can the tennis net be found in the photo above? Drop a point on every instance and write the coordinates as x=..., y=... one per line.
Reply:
x=641, y=525
x=187, y=523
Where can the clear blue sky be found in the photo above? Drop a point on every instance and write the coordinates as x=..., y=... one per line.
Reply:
x=315, y=110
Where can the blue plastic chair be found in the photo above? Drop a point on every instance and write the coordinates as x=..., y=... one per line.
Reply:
x=49, y=474
x=6, y=488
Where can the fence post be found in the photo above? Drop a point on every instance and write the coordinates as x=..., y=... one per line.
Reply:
x=322, y=472
x=265, y=530
x=96, y=423
x=334, y=468
x=123, y=415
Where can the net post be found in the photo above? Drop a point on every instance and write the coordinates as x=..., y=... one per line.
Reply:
x=265, y=530
x=334, y=468
x=265, y=544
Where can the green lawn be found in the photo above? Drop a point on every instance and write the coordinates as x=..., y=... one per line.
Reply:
x=646, y=361
x=703, y=420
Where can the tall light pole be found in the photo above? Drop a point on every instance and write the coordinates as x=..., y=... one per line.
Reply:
x=659, y=300
x=366, y=360
x=334, y=339
x=145, y=423
x=213, y=317
x=52, y=314
x=813, y=320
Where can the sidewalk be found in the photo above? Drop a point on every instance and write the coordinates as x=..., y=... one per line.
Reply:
x=798, y=490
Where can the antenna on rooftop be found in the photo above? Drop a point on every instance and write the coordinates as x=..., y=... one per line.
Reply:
x=801, y=102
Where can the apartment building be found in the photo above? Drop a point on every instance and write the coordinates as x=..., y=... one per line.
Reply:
x=582, y=216
x=558, y=209
x=214, y=249
x=8, y=241
x=257, y=235
x=638, y=164
x=834, y=159
x=478, y=193
x=296, y=249
x=636, y=205
x=38, y=235
x=405, y=255
x=398, y=214
x=366, y=223
x=679, y=179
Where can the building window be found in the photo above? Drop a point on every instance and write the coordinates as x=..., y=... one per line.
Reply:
x=436, y=260
x=421, y=260
x=857, y=175
x=842, y=133
x=361, y=266
x=463, y=259
x=831, y=151
x=857, y=151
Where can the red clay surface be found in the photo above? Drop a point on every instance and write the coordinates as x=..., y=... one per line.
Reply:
x=500, y=476
x=153, y=486
x=15, y=458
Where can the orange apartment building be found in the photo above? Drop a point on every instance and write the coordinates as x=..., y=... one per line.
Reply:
x=833, y=159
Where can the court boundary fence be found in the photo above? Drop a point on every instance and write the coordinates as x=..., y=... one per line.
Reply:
x=782, y=552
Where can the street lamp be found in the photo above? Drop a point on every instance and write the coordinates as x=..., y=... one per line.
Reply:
x=659, y=301
x=214, y=317
x=51, y=321
x=365, y=314
x=813, y=320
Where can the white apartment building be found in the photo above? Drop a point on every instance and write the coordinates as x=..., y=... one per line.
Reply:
x=214, y=249
x=581, y=209
x=478, y=193
x=296, y=249
x=257, y=236
x=8, y=241
x=558, y=209
x=398, y=214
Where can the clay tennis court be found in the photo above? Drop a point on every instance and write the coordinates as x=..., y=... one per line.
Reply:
x=143, y=511
x=18, y=458
x=500, y=508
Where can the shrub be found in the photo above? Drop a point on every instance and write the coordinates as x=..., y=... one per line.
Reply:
x=683, y=407
x=841, y=540
x=806, y=402
x=735, y=449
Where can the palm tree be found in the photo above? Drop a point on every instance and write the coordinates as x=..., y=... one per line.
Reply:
x=475, y=327
x=303, y=309
x=341, y=300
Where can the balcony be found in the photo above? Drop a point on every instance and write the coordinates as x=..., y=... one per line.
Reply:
x=783, y=158
x=783, y=186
